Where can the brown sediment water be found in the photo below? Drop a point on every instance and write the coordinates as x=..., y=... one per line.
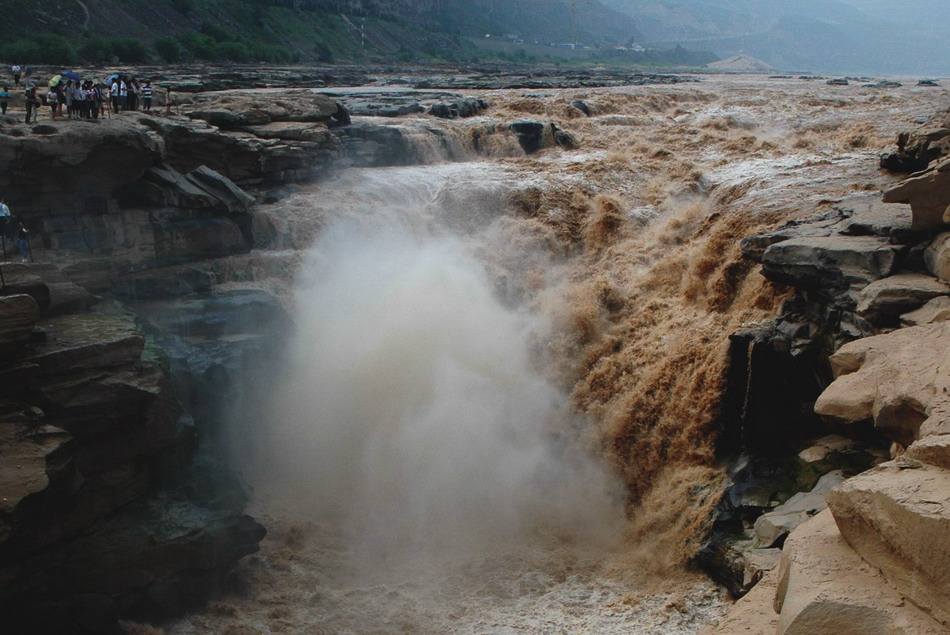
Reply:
x=497, y=412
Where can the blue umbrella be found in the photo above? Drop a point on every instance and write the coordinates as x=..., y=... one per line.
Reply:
x=70, y=75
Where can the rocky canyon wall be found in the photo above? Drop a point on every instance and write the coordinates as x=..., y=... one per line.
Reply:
x=130, y=345
x=871, y=290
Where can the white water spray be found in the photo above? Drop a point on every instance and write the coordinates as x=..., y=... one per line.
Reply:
x=411, y=414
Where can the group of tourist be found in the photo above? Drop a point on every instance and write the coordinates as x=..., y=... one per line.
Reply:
x=9, y=227
x=70, y=97
x=90, y=100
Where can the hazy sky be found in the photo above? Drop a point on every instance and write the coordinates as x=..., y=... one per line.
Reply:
x=932, y=12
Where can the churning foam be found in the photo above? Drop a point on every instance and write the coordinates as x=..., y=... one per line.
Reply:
x=410, y=412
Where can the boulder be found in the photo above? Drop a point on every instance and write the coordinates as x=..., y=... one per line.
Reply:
x=899, y=380
x=153, y=559
x=933, y=449
x=830, y=264
x=68, y=297
x=24, y=279
x=89, y=341
x=163, y=186
x=581, y=106
x=466, y=107
x=825, y=587
x=241, y=156
x=232, y=198
x=95, y=274
x=757, y=563
x=916, y=150
x=233, y=110
x=868, y=215
x=370, y=145
x=778, y=523
x=822, y=448
x=928, y=194
x=291, y=131
x=753, y=247
x=752, y=613
x=937, y=257
x=531, y=135
x=75, y=170
x=897, y=516
x=33, y=455
x=882, y=301
x=936, y=310
x=18, y=316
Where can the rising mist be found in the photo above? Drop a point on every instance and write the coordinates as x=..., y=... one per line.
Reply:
x=410, y=412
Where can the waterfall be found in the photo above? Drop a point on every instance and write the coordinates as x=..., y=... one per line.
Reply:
x=411, y=411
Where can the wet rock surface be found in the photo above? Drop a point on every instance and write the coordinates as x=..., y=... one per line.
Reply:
x=872, y=562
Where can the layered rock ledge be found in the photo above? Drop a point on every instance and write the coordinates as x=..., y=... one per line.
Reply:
x=871, y=298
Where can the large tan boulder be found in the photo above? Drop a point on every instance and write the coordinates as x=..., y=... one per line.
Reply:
x=928, y=194
x=884, y=300
x=937, y=257
x=897, y=379
x=824, y=587
x=936, y=310
x=897, y=516
x=777, y=524
x=752, y=613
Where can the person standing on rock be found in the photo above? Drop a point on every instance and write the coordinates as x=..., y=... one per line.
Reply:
x=32, y=104
x=92, y=100
x=68, y=99
x=105, y=93
x=4, y=99
x=16, y=75
x=168, y=101
x=114, y=94
x=147, y=95
x=23, y=242
x=4, y=218
x=79, y=101
x=52, y=99
x=123, y=94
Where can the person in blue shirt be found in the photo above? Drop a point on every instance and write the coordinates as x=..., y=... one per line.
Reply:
x=4, y=98
x=4, y=218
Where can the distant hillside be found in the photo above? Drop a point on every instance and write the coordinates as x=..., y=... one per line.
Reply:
x=828, y=36
x=99, y=31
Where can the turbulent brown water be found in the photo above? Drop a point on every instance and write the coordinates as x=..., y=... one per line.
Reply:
x=496, y=416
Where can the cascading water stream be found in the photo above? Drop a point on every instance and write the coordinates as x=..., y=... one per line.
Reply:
x=419, y=470
x=410, y=410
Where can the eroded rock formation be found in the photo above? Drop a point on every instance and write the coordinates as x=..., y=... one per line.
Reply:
x=122, y=355
x=876, y=560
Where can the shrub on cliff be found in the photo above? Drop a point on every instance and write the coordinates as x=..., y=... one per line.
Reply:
x=100, y=50
x=39, y=48
x=168, y=49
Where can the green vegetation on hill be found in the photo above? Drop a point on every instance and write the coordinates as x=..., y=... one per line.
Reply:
x=290, y=31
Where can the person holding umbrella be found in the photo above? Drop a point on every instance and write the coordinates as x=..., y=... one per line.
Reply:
x=55, y=95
